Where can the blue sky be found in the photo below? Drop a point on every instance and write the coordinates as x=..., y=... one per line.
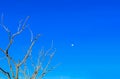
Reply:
x=93, y=26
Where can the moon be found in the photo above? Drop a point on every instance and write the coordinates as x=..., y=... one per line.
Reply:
x=72, y=45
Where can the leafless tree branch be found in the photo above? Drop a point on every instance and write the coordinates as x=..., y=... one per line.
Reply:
x=14, y=71
x=29, y=50
x=44, y=72
x=5, y=73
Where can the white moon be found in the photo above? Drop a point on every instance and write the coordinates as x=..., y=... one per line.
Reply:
x=72, y=45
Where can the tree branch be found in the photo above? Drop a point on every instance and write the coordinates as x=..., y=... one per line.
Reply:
x=35, y=73
x=11, y=38
x=5, y=73
x=22, y=28
x=29, y=50
x=26, y=56
x=44, y=72
x=2, y=50
x=41, y=59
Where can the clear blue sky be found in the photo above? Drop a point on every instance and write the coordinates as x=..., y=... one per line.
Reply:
x=92, y=26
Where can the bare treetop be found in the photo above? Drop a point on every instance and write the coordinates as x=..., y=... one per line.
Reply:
x=16, y=67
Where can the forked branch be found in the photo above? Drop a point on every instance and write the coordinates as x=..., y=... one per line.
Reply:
x=16, y=66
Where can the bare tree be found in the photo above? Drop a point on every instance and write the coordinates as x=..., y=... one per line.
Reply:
x=20, y=67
